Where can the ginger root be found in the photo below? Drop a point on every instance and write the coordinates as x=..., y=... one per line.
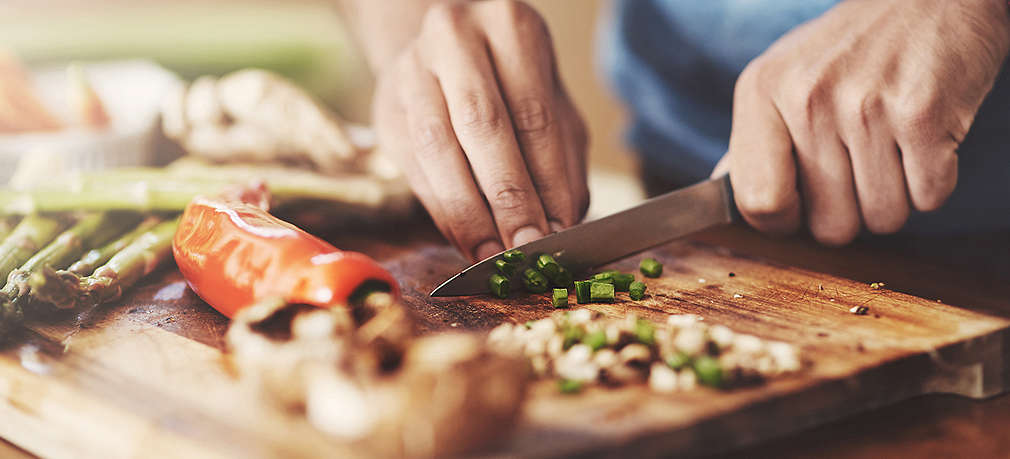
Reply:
x=258, y=116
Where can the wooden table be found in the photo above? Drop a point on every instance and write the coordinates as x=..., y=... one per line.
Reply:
x=962, y=271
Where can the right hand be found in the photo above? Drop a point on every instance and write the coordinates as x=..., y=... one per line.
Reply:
x=474, y=112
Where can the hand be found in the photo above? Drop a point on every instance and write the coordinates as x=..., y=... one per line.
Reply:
x=474, y=112
x=857, y=116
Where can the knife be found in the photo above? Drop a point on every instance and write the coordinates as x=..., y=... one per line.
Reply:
x=596, y=243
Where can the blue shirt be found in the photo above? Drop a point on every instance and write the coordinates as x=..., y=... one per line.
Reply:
x=675, y=63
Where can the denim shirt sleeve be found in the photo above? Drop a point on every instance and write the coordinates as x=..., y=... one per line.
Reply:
x=675, y=62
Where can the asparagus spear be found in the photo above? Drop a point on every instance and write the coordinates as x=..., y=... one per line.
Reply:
x=66, y=290
x=33, y=232
x=140, y=189
x=91, y=230
x=6, y=226
x=96, y=257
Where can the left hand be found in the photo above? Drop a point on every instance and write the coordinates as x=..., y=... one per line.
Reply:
x=855, y=118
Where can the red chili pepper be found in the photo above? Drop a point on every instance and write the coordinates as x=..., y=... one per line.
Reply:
x=233, y=254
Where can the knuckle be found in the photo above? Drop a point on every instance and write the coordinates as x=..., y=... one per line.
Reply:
x=430, y=135
x=802, y=106
x=750, y=78
x=765, y=205
x=478, y=113
x=863, y=111
x=522, y=17
x=444, y=15
x=513, y=11
x=531, y=115
x=916, y=120
x=507, y=195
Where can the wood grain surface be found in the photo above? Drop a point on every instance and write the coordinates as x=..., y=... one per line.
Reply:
x=145, y=376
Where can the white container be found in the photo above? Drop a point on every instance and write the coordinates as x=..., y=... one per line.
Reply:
x=131, y=91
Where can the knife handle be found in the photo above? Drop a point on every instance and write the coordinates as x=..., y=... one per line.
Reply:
x=734, y=212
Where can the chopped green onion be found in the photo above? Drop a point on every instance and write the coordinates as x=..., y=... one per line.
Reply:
x=514, y=256
x=605, y=275
x=528, y=324
x=678, y=360
x=572, y=334
x=563, y=278
x=560, y=298
x=709, y=371
x=505, y=268
x=534, y=281
x=622, y=281
x=645, y=333
x=582, y=291
x=569, y=386
x=595, y=340
x=650, y=267
x=601, y=292
x=499, y=285
x=636, y=290
x=548, y=266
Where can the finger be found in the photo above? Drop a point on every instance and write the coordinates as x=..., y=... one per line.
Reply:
x=482, y=126
x=876, y=167
x=929, y=155
x=390, y=126
x=576, y=143
x=762, y=168
x=461, y=208
x=522, y=58
x=825, y=173
x=931, y=174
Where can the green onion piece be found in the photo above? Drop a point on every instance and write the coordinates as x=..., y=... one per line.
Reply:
x=548, y=266
x=572, y=334
x=505, y=268
x=605, y=275
x=514, y=256
x=582, y=291
x=678, y=360
x=569, y=386
x=528, y=324
x=499, y=285
x=636, y=290
x=534, y=281
x=622, y=281
x=596, y=340
x=560, y=298
x=601, y=292
x=650, y=267
x=563, y=278
x=709, y=371
x=645, y=333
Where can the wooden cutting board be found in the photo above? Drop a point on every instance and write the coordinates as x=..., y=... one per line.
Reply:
x=146, y=377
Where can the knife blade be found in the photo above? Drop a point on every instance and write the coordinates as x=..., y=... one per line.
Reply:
x=581, y=247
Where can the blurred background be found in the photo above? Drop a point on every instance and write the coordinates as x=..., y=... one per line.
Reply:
x=304, y=40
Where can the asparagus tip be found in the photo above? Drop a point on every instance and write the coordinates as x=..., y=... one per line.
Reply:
x=59, y=288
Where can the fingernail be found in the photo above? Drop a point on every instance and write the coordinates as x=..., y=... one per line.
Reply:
x=526, y=234
x=488, y=248
x=556, y=225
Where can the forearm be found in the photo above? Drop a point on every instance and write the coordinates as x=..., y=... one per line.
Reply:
x=384, y=27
